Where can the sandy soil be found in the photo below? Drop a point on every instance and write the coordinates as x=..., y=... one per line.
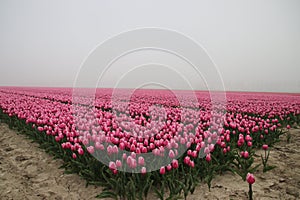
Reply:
x=27, y=172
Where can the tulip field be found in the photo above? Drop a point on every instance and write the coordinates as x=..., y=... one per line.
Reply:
x=154, y=142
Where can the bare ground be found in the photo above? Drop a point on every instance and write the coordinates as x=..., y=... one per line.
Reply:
x=27, y=172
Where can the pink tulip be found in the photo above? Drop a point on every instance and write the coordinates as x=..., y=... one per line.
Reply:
x=175, y=164
x=74, y=155
x=112, y=166
x=192, y=164
x=169, y=167
x=187, y=160
x=162, y=170
x=171, y=154
x=141, y=160
x=143, y=170
x=246, y=154
x=99, y=146
x=118, y=163
x=90, y=149
x=249, y=144
x=242, y=153
x=208, y=157
x=265, y=147
x=248, y=138
x=250, y=178
x=80, y=151
x=194, y=154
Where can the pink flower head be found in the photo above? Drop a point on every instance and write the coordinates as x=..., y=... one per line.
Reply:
x=74, y=155
x=265, y=147
x=250, y=178
x=208, y=157
x=240, y=142
x=162, y=170
x=141, y=160
x=171, y=154
x=90, y=149
x=143, y=170
x=98, y=145
x=288, y=126
x=175, y=164
x=192, y=164
x=242, y=153
x=249, y=144
x=194, y=154
x=112, y=166
x=118, y=163
x=169, y=167
x=115, y=171
x=246, y=154
x=80, y=151
x=131, y=162
x=248, y=138
x=187, y=160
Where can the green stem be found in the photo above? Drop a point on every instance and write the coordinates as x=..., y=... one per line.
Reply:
x=250, y=192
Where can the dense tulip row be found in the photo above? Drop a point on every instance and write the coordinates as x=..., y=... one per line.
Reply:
x=156, y=131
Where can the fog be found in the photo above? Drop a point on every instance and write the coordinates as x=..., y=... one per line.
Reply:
x=255, y=45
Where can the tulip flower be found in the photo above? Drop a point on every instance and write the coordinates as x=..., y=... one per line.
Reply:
x=250, y=179
x=162, y=170
x=246, y=154
x=74, y=155
x=208, y=157
x=143, y=170
x=141, y=160
x=118, y=163
x=169, y=167
x=175, y=164
x=265, y=147
x=80, y=151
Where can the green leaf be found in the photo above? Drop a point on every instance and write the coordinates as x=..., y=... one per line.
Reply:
x=107, y=194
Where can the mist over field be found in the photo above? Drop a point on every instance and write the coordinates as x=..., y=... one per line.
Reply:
x=254, y=45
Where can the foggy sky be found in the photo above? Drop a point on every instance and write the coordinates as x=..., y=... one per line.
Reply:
x=254, y=44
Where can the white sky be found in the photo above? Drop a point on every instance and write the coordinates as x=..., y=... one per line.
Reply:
x=255, y=44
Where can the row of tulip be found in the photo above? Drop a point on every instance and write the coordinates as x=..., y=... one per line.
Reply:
x=160, y=142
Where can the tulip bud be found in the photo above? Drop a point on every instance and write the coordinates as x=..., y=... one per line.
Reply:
x=118, y=163
x=246, y=154
x=265, y=147
x=74, y=155
x=208, y=157
x=143, y=170
x=175, y=164
x=162, y=170
x=169, y=167
x=171, y=154
x=141, y=160
x=250, y=178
